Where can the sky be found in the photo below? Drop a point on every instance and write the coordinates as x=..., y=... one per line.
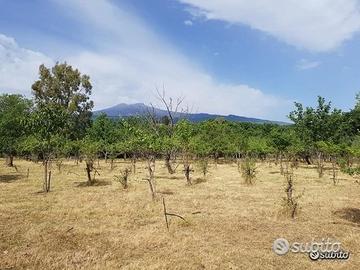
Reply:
x=252, y=58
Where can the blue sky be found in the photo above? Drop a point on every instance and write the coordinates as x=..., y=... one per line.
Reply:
x=251, y=58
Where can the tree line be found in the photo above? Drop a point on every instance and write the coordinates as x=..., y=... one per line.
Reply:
x=57, y=123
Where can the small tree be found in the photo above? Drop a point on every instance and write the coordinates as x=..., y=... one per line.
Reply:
x=174, y=112
x=202, y=150
x=123, y=178
x=14, y=110
x=290, y=202
x=46, y=125
x=248, y=169
x=104, y=131
x=149, y=146
x=89, y=150
x=183, y=133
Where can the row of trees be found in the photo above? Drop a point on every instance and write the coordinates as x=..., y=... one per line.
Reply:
x=57, y=123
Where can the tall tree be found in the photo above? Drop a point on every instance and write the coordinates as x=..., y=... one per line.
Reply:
x=63, y=109
x=65, y=87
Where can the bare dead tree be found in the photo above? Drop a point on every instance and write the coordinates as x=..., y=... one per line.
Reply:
x=174, y=113
x=159, y=128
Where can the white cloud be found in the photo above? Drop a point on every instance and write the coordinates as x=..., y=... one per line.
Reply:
x=18, y=66
x=131, y=70
x=131, y=60
x=305, y=64
x=188, y=22
x=316, y=25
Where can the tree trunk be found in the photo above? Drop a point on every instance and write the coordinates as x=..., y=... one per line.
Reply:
x=307, y=159
x=334, y=172
x=47, y=176
x=89, y=168
x=151, y=179
x=112, y=164
x=167, y=163
x=10, y=161
x=320, y=165
x=216, y=160
x=281, y=164
x=133, y=161
x=238, y=161
x=187, y=171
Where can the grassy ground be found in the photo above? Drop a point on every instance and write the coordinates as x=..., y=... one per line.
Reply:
x=104, y=227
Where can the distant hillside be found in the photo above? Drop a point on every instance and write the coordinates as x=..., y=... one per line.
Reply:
x=138, y=109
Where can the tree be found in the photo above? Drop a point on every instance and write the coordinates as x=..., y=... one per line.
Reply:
x=148, y=141
x=314, y=125
x=104, y=131
x=89, y=150
x=183, y=133
x=46, y=125
x=65, y=87
x=218, y=134
x=14, y=110
x=62, y=109
x=165, y=126
x=281, y=141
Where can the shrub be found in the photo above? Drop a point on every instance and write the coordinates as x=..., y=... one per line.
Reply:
x=248, y=170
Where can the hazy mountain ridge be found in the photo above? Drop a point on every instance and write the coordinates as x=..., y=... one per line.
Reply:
x=138, y=109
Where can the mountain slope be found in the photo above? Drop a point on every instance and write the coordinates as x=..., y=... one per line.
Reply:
x=138, y=109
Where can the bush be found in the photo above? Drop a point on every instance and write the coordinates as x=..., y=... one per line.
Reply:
x=123, y=178
x=248, y=170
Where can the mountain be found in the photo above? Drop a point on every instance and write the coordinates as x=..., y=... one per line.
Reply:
x=138, y=109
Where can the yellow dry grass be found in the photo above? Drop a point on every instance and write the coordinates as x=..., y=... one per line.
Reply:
x=104, y=227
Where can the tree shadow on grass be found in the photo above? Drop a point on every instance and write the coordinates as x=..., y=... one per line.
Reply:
x=349, y=214
x=97, y=183
x=165, y=192
x=171, y=177
x=8, y=178
x=199, y=180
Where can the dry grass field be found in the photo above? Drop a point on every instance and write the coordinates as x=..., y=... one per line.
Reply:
x=229, y=225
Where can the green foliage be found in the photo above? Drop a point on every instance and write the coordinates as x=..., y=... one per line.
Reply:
x=105, y=132
x=47, y=126
x=65, y=87
x=14, y=111
x=89, y=149
x=248, y=170
x=318, y=124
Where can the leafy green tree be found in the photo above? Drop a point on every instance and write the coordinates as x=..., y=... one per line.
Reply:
x=46, y=126
x=105, y=131
x=89, y=150
x=318, y=124
x=184, y=132
x=148, y=141
x=62, y=110
x=218, y=136
x=281, y=140
x=65, y=87
x=14, y=110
